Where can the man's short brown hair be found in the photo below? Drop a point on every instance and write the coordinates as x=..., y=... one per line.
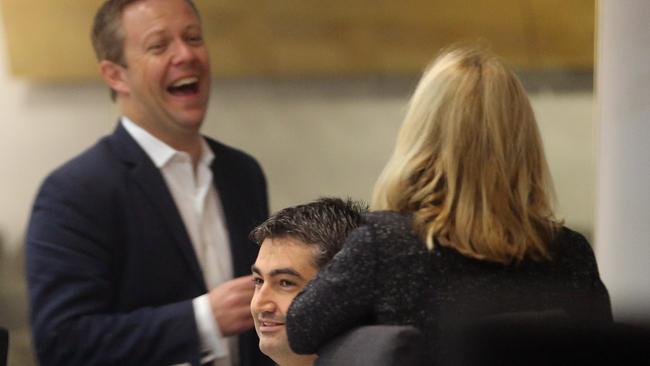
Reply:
x=107, y=36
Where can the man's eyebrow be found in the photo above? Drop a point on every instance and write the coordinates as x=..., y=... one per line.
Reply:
x=279, y=271
x=285, y=271
x=256, y=270
x=154, y=34
x=193, y=27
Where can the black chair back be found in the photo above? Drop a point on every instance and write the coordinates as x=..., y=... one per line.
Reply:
x=375, y=345
x=4, y=346
x=540, y=339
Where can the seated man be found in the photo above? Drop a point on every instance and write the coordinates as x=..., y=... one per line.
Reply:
x=294, y=244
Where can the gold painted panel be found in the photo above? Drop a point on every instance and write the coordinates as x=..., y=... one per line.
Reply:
x=49, y=40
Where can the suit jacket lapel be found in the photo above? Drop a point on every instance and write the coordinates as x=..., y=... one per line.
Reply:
x=152, y=184
x=228, y=195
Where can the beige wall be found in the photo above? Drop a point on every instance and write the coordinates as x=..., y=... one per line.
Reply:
x=623, y=82
x=312, y=138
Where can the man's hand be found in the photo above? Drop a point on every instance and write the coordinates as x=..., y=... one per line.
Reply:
x=230, y=303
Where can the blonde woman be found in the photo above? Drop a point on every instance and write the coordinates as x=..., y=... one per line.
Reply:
x=464, y=226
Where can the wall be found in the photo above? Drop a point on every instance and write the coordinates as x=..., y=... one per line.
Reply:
x=337, y=37
x=313, y=138
x=623, y=84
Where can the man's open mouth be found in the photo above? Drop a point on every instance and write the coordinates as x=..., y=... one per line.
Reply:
x=185, y=86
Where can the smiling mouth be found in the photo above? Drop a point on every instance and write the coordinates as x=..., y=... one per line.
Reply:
x=270, y=326
x=184, y=87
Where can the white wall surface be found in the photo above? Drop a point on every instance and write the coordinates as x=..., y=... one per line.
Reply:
x=623, y=224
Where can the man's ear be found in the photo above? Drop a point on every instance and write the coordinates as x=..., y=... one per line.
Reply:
x=114, y=76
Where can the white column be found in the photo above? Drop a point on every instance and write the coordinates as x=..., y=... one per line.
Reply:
x=623, y=193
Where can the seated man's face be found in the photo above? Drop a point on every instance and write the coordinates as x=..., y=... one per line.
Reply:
x=283, y=267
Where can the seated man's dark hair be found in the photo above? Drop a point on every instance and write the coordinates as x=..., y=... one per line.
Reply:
x=325, y=223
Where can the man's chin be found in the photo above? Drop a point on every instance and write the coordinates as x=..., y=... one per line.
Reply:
x=187, y=113
x=273, y=348
x=191, y=120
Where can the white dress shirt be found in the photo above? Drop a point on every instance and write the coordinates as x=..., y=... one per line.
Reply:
x=200, y=208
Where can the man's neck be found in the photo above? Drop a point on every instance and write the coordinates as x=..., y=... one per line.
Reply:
x=186, y=141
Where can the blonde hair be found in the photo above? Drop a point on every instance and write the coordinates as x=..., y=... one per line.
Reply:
x=469, y=162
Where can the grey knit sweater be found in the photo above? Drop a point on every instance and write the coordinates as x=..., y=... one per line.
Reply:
x=385, y=275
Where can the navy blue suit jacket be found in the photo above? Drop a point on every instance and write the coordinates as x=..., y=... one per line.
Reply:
x=110, y=266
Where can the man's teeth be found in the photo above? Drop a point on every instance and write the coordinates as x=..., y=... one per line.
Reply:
x=185, y=81
x=268, y=324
